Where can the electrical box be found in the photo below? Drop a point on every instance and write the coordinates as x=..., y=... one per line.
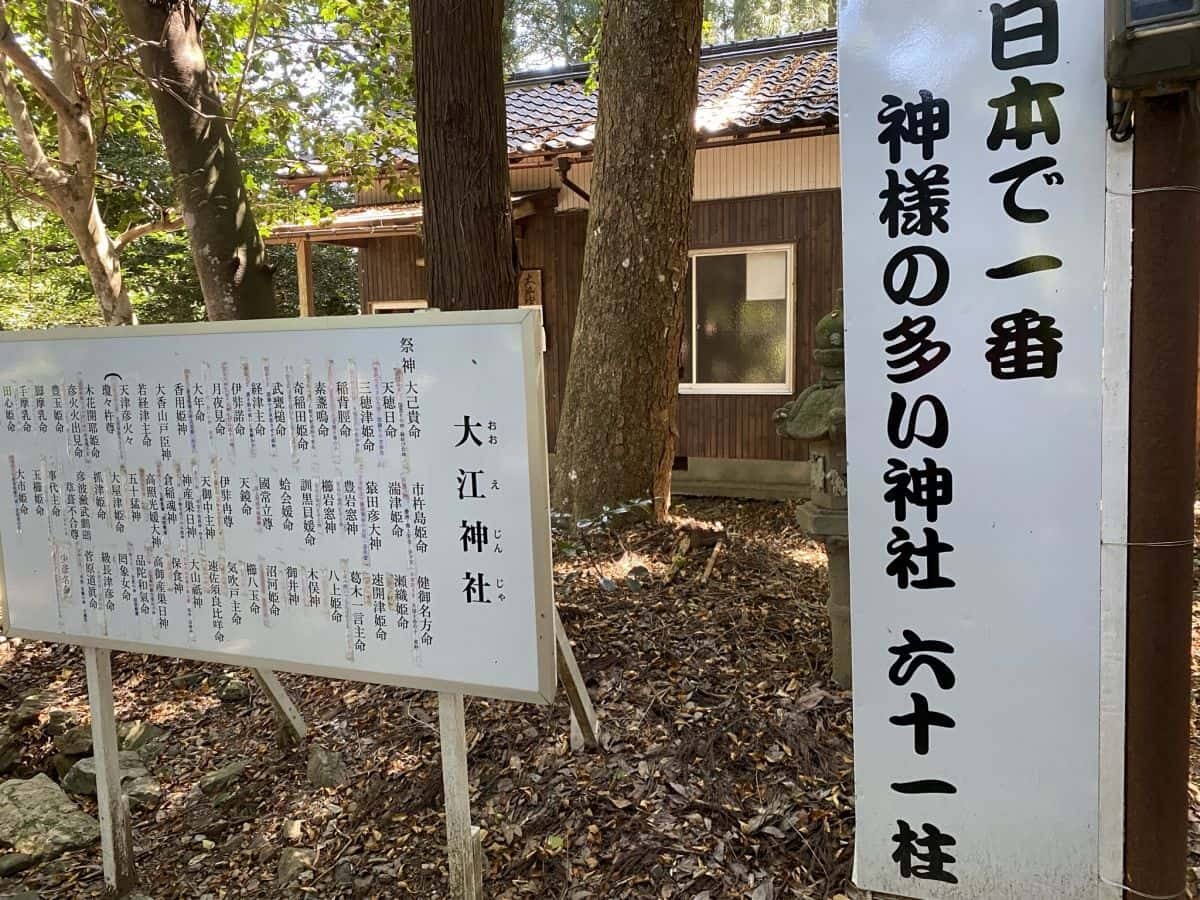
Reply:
x=1152, y=44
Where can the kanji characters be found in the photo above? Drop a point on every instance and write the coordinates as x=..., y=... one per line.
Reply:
x=1019, y=107
x=913, y=353
x=930, y=864
x=921, y=124
x=919, y=203
x=927, y=488
x=1024, y=345
x=905, y=554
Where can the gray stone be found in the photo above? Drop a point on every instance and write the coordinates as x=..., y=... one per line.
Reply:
x=62, y=764
x=294, y=862
x=143, y=792
x=137, y=734
x=82, y=777
x=59, y=720
x=232, y=690
x=38, y=819
x=10, y=749
x=28, y=712
x=220, y=779
x=12, y=863
x=326, y=768
x=343, y=872
x=75, y=742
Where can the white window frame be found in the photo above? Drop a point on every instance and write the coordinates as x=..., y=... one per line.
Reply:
x=782, y=389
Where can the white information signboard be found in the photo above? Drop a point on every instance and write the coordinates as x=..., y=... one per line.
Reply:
x=360, y=498
x=973, y=149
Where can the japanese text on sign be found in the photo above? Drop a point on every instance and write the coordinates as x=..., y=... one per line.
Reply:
x=974, y=201
x=363, y=500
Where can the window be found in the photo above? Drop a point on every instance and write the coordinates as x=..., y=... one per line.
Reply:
x=739, y=322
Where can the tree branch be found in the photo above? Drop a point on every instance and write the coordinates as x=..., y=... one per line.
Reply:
x=247, y=60
x=133, y=232
x=24, y=63
x=31, y=148
x=10, y=175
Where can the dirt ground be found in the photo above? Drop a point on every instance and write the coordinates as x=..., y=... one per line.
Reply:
x=725, y=772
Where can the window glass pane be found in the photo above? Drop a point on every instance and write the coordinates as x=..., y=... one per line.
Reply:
x=685, y=340
x=766, y=275
x=738, y=340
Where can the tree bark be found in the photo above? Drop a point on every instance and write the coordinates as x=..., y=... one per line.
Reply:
x=616, y=439
x=227, y=250
x=102, y=261
x=461, y=138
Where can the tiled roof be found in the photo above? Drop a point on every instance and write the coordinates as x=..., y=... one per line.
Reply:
x=755, y=86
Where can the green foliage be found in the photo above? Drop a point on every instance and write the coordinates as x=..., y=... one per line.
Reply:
x=335, y=280
x=553, y=32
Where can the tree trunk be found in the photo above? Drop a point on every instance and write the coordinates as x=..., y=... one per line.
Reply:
x=616, y=438
x=461, y=138
x=228, y=253
x=82, y=218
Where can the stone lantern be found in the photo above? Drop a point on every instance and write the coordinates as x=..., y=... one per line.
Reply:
x=818, y=415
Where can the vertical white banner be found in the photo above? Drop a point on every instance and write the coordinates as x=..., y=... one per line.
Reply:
x=973, y=151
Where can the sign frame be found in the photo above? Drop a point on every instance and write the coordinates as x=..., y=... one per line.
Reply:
x=529, y=320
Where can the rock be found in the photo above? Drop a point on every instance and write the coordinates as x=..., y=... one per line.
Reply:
x=343, y=872
x=59, y=720
x=63, y=764
x=137, y=734
x=232, y=690
x=10, y=749
x=325, y=768
x=143, y=792
x=637, y=579
x=294, y=862
x=28, y=712
x=38, y=819
x=220, y=779
x=293, y=830
x=82, y=777
x=75, y=742
x=12, y=863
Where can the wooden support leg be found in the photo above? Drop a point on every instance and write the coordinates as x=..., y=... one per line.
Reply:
x=462, y=841
x=585, y=729
x=292, y=729
x=116, y=835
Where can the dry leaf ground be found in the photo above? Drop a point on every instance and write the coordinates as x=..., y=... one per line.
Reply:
x=726, y=770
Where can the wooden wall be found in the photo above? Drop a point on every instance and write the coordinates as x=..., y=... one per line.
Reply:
x=388, y=270
x=728, y=427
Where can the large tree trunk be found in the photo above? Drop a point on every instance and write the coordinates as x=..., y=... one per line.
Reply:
x=461, y=139
x=616, y=438
x=228, y=253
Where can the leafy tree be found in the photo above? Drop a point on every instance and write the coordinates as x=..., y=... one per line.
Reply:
x=57, y=87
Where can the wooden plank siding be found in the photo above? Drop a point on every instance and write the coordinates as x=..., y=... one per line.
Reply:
x=718, y=426
x=388, y=270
